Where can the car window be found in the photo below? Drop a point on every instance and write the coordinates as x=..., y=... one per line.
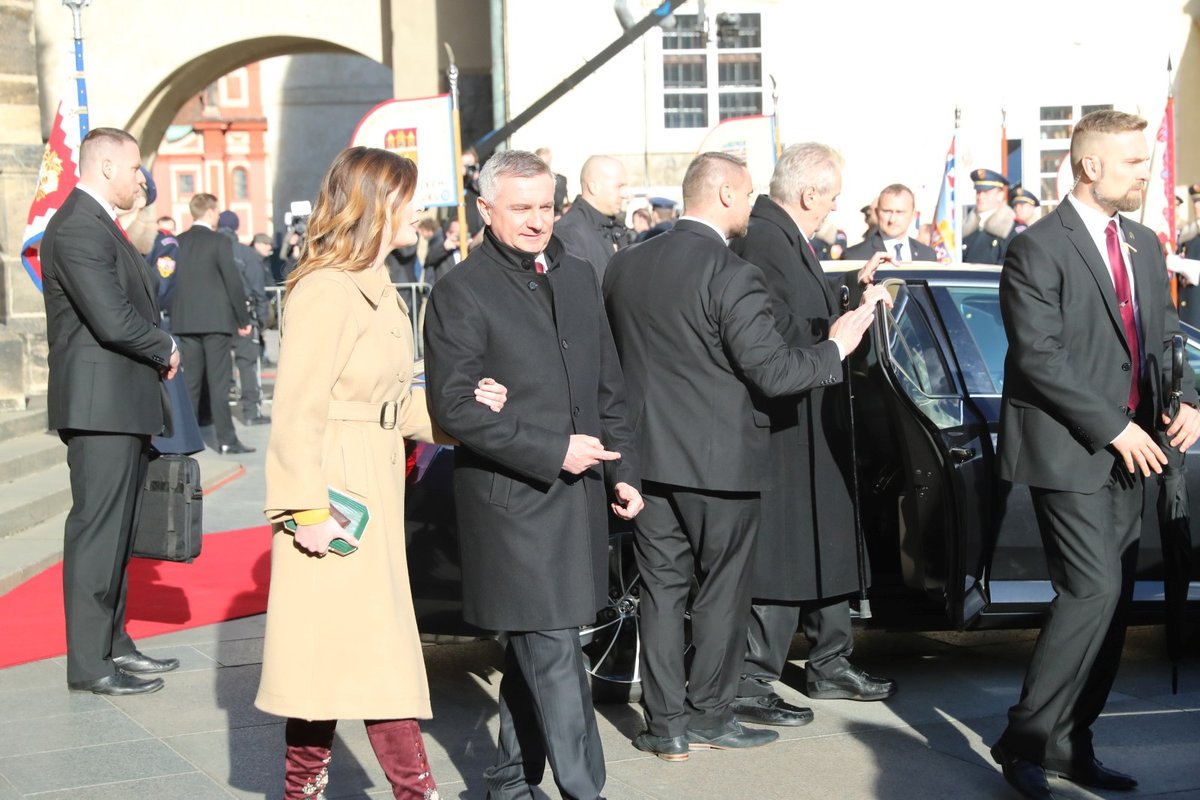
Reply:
x=1193, y=357
x=918, y=364
x=979, y=308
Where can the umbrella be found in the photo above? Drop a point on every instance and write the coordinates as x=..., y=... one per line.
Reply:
x=1174, y=527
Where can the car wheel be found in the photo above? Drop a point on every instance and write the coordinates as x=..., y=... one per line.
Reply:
x=612, y=644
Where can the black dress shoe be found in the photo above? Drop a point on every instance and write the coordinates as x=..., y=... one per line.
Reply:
x=1093, y=774
x=235, y=448
x=668, y=748
x=119, y=683
x=729, y=737
x=770, y=709
x=1025, y=776
x=851, y=684
x=138, y=663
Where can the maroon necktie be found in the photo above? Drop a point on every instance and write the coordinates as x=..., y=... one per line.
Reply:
x=121, y=228
x=1125, y=303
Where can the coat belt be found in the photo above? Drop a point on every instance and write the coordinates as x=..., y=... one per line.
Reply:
x=384, y=414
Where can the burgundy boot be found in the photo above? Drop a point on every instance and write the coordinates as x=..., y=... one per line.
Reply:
x=401, y=752
x=306, y=766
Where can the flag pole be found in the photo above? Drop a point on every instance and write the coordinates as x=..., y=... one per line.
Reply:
x=77, y=7
x=456, y=125
x=1003, y=141
x=954, y=215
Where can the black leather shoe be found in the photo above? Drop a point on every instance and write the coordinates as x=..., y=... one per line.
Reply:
x=1094, y=775
x=729, y=737
x=771, y=709
x=1025, y=776
x=668, y=748
x=258, y=419
x=235, y=448
x=851, y=684
x=138, y=663
x=117, y=684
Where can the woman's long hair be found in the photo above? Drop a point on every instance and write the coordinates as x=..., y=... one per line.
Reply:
x=345, y=230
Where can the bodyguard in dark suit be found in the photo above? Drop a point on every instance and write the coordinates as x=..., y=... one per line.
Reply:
x=805, y=563
x=208, y=306
x=105, y=398
x=894, y=214
x=694, y=330
x=1087, y=312
x=531, y=483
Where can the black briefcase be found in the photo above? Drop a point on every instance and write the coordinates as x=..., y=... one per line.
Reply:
x=169, y=524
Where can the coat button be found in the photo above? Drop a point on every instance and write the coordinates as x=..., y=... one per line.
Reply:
x=533, y=286
x=575, y=411
x=1125, y=366
x=564, y=344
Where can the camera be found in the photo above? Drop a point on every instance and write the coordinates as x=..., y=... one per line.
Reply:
x=296, y=219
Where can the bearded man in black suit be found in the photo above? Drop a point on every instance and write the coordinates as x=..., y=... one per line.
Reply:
x=1089, y=318
x=105, y=397
x=694, y=329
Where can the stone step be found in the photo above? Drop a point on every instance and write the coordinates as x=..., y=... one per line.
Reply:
x=25, y=455
x=27, y=553
x=32, y=499
x=14, y=424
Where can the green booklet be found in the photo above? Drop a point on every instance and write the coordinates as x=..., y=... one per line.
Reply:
x=347, y=512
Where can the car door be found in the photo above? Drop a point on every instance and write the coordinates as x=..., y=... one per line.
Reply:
x=947, y=499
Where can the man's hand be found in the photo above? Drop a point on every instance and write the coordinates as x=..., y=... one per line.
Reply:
x=245, y=331
x=172, y=366
x=629, y=501
x=848, y=329
x=876, y=294
x=491, y=394
x=316, y=538
x=1184, y=429
x=867, y=274
x=1186, y=268
x=1139, y=451
x=585, y=452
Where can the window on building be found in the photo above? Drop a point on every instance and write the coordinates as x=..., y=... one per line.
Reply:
x=1057, y=124
x=712, y=71
x=241, y=184
x=187, y=184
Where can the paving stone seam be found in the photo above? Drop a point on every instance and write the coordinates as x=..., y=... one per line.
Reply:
x=117, y=783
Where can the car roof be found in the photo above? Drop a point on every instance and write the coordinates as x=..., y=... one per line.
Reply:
x=930, y=271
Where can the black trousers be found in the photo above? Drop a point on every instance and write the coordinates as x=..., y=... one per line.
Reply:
x=769, y=637
x=107, y=473
x=546, y=714
x=683, y=534
x=1091, y=550
x=246, y=350
x=206, y=359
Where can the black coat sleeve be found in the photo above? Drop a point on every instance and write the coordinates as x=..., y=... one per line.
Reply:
x=233, y=281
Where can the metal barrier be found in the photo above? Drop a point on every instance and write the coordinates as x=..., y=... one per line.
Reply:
x=414, y=295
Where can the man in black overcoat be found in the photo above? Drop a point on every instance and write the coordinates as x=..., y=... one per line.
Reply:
x=532, y=483
x=1089, y=318
x=805, y=564
x=207, y=309
x=105, y=398
x=594, y=228
x=695, y=333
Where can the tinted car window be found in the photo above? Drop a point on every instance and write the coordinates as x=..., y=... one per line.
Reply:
x=979, y=309
x=918, y=365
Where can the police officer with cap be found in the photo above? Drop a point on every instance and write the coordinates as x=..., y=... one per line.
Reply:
x=1025, y=206
x=663, y=210
x=990, y=226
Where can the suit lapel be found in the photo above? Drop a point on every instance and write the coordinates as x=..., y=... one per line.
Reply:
x=814, y=268
x=1143, y=287
x=1082, y=240
x=131, y=253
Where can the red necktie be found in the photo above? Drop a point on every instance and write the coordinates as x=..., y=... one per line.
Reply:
x=1125, y=303
x=539, y=267
x=121, y=228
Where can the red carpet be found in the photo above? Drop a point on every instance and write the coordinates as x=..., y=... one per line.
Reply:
x=228, y=580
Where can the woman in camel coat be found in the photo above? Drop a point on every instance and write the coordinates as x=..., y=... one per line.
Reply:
x=341, y=638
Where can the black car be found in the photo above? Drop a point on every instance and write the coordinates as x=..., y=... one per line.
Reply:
x=950, y=545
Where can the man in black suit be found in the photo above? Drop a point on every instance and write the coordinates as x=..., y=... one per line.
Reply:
x=594, y=228
x=805, y=564
x=694, y=330
x=105, y=397
x=894, y=215
x=1087, y=312
x=208, y=305
x=530, y=483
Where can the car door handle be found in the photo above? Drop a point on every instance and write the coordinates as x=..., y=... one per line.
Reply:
x=962, y=455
